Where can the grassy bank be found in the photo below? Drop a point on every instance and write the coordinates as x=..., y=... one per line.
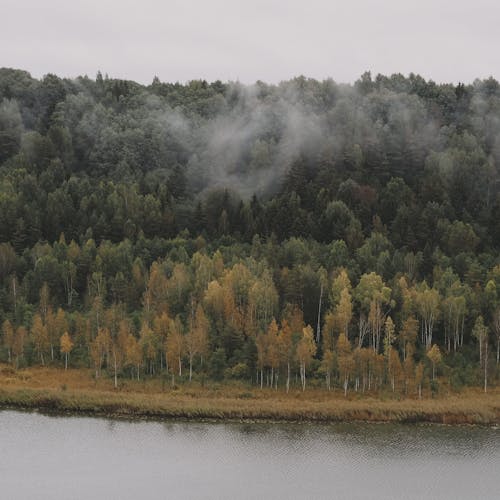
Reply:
x=74, y=391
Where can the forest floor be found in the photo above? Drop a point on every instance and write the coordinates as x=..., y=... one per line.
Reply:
x=77, y=392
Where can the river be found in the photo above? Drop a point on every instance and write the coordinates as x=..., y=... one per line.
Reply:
x=48, y=457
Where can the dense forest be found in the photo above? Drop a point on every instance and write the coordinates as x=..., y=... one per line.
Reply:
x=302, y=234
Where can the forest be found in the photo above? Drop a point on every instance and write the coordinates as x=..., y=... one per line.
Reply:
x=298, y=235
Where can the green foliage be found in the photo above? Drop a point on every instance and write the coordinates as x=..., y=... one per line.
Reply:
x=218, y=364
x=250, y=201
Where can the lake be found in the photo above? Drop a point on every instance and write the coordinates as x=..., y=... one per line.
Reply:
x=48, y=457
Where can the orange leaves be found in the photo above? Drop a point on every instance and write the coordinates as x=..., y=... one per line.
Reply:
x=66, y=343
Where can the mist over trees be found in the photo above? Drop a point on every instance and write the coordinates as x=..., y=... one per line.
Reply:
x=344, y=234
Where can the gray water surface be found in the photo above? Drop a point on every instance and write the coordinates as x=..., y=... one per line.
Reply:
x=46, y=457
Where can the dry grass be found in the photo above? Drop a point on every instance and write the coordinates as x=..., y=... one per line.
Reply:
x=75, y=391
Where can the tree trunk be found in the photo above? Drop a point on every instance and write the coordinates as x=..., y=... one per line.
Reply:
x=115, y=364
x=288, y=377
x=318, y=326
x=14, y=293
x=65, y=360
x=480, y=350
x=486, y=366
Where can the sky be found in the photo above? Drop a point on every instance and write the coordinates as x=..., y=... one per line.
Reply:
x=269, y=40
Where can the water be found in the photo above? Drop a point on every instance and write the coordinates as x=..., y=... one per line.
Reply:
x=91, y=458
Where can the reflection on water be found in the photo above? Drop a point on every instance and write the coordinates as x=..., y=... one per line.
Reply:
x=78, y=457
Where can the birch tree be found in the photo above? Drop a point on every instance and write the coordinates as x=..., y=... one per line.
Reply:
x=434, y=354
x=373, y=296
x=306, y=349
x=496, y=329
x=428, y=302
x=40, y=337
x=285, y=346
x=345, y=360
x=66, y=346
x=197, y=338
x=175, y=347
x=8, y=338
x=19, y=343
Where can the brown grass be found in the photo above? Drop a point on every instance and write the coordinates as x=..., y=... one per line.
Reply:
x=75, y=391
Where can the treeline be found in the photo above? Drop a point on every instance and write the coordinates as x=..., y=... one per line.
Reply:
x=342, y=234
x=267, y=313
x=109, y=159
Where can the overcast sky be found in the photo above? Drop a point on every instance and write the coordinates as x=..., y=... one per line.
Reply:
x=270, y=40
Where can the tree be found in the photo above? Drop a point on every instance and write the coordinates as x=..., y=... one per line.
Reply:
x=40, y=337
x=156, y=294
x=434, y=354
x=391, y=356
x=11, y=128
x=119, y=348
x=18, y=343
x=327, y=365
x=263, y=300
x=8, y=337
x=340, y=283
x=133, y=354
x=175, y=347
x=286, y=348
x=66, y=346
x=419, y=377
x=345, y=360
x=496, y=328
x=408, y=370
x=480, y=333
x=343, y=311
x=44, y=304
x=428, y=302
x=161, y=326
x=273, y=356
x=60, y=326
x=454, y=308
x=372, y=295
x=261, y=344
x=100, y=348
x=306, y=349
x=323, y=280
x=408, y=336
x=177, y=289
x=150, y=344
x=197, y=338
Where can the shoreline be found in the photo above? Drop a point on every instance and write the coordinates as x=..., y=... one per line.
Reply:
x=74, y=392
x=450, y=410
